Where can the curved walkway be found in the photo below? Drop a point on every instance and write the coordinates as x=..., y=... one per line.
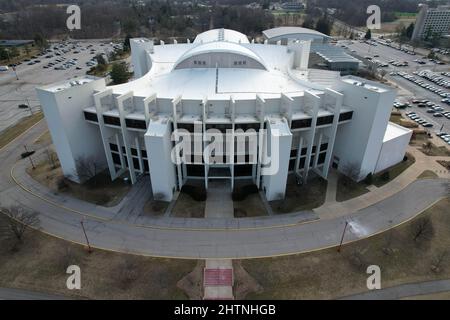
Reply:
x=203, y=238
x=404, y=291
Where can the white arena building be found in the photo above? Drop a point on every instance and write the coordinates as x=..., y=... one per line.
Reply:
x=222, y=81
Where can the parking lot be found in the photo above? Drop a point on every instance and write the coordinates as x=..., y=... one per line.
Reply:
x=42, y=70
x=426, y=91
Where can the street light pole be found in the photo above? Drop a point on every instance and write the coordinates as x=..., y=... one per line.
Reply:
x=29, y=157
x=342, y=238
x=29, y=107
x=85, y=235
x=14, y=68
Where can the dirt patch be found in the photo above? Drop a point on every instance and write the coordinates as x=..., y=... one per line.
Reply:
x=445, y=164
x=44, y=140
x=386, y=176
x=100, y=190
x=428, y=174
x=418, y=139
x=186, y=207
x=432, y=150
x=192, y=284
x=328, y=274
x=304, y=197
x=252, y=206
x=244, y=283
x=155, y=208
x=40, y=264
x=9, y=134
x=348, y=189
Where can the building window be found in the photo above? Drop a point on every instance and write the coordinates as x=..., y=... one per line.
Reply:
x=243, y=170
x=304, y=151
x=146, y=167
x=144, y=153
x=114, y=147
x=322, y=157
x=293, y=153
x=303, y=123
x=116, y=158
x=195, y=170
x=134, y=152
x=186, y=126
x=292, y=165
x=90, y=116
x=324, y=147
x=113, y=121
x=247, y=126
x=136, y=164
x=221, y=127
x=325, y=120
x=136, y=124
x=302, y=163
x=346, y=116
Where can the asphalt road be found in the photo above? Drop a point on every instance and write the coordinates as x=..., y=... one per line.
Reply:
x=206, y=238
x=19, y=294
x=14, y=92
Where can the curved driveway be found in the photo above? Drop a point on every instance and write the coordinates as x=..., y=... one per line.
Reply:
x=207, y=238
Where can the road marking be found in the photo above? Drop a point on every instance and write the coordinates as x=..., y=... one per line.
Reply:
x=127, y=251
x=100, y=219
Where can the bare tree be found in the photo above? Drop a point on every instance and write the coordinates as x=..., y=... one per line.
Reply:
x=439, y=261
x=427, y=146
x=18, y=223
x=51, y=158
x=422, y=229
x=87, y=168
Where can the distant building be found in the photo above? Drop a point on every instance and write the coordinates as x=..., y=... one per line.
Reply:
x=292, y=6
x=431, y=21
x=332, y=57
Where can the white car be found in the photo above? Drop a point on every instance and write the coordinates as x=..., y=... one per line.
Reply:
x=4, y=68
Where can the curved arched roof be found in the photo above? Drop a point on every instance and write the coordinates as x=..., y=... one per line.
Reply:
x=221, y=35
x=284, y=31
x=221, y=47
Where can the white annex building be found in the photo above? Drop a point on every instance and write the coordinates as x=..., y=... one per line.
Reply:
x=222, y=81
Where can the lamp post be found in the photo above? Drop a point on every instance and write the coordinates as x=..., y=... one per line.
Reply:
x=85, y=235
x=29, y=157
x=342, y=238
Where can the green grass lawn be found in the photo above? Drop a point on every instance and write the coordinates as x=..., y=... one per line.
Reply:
x=328, y=274
x=9, y=134
x=380, y=180
x=305, y=197
x=40, y=263
x=348, y=189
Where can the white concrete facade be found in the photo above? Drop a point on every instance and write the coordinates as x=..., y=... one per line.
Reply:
x=304, y=121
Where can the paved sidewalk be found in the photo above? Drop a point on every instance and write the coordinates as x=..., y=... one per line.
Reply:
x=404, y=291
x=218, y=292
x=219, y=204
x=332, y=187
x=423, y=163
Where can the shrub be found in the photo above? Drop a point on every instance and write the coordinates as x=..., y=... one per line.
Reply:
x=195, y=192
x=369, y=179
x=62, y=184
x=385, y=176
x=241, y=193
